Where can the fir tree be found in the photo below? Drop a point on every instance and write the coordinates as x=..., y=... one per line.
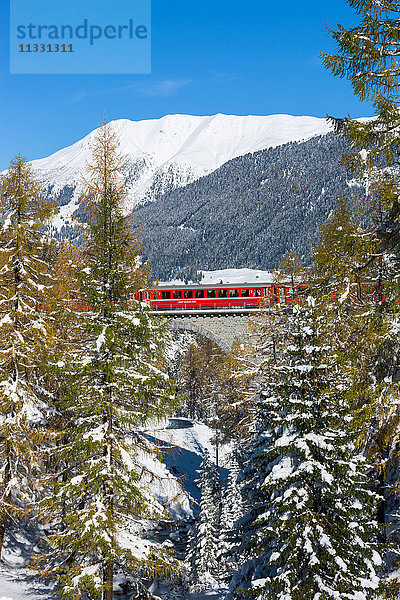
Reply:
x=231, y=512
x=255, y=497
x=27, y=282
x=116, y=386
x=205, y=542
x=368, y=56
x=314, y=537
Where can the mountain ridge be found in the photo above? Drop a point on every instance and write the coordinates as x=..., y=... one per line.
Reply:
x=163, y=154
x=248, y=213
x=207, y=197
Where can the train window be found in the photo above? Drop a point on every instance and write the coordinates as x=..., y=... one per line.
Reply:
x=147, y=295
x=188, y=294
x=222, y=293
x=257, y=292
x=234, y=293
x=267, y=291
x=199, y=293
x=176, y=294
x=211, y=294
x=245, y=293
x=165, y=295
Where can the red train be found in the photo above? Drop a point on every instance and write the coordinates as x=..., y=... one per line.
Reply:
x=220, y=296
x=225, y=296
x=229, y=296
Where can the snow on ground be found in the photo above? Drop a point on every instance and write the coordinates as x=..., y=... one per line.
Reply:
x=190, y=435
x=16, y=583
x=164, y=486
x=178, y=346
x=208, y=595
x=184, y=442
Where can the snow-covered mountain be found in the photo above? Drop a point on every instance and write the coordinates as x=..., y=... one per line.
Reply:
x=248, y=213
x=163, y=154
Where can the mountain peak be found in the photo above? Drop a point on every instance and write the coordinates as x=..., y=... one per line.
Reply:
x=174, y=150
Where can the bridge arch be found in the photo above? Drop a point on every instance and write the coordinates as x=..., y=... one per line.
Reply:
x=220, y=329
x=186, y=325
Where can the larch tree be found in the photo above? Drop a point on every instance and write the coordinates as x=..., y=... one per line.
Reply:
x=200, y=380
x=117, y=386
x=27, y=328
x=368, y=55
x=192, y=381
x=290, y=269
x=363, y=333
x=236, y=390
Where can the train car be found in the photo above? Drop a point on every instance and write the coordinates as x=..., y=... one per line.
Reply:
x=229, y=296
x=219, y=296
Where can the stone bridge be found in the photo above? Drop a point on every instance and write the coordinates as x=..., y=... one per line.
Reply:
x=220, y=327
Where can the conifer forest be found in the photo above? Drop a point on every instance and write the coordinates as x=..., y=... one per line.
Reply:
x=139, y=462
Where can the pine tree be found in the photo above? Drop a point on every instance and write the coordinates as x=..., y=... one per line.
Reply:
x=315, y=536
x=116, y=386
x=27, y=282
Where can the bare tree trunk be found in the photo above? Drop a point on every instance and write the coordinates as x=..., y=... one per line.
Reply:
x=7, y=500
x=3, y=525
x=382, y=504
x=109, y=580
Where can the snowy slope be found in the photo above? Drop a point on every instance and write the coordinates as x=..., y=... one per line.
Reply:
x=162, y=154
x=235, y=276
x=18, y=585
x=185, y=442
x=243, y=275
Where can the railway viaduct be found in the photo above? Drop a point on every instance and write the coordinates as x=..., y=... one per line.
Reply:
x=221, y=327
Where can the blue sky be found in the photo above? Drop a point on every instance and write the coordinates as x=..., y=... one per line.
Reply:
x=208, y=56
